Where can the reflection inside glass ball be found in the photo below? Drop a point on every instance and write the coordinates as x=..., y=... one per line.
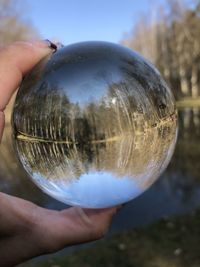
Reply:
x=94, y=124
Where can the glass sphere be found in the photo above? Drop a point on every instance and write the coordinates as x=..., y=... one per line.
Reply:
x=94, y=124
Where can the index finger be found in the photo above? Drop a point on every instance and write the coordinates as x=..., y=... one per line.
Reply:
x=15, y=61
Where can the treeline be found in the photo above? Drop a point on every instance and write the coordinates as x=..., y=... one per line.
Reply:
x=53, y=117
x=170, y=38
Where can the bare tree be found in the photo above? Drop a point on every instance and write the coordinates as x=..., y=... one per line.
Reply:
x=172, y=42
x=13, y=25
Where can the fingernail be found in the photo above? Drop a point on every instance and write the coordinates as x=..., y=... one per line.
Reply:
x=44, y=44
x=50, y=44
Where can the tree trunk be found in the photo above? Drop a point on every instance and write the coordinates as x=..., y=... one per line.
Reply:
x=194, y=82
x=183, y=81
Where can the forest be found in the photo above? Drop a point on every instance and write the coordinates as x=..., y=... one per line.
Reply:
x=170, y=38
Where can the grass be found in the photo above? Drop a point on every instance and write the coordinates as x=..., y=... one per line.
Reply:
x=167, y=243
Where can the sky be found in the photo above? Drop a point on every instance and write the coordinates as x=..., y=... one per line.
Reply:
x=70, y=21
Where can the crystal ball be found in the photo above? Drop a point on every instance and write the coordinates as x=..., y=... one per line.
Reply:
x=94, y=124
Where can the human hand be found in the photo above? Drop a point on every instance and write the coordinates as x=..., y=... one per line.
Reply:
x=27, y=230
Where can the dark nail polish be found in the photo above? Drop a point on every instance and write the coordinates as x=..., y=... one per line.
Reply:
x=51, y=45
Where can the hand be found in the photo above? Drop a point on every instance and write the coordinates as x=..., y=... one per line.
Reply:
x=27, y=230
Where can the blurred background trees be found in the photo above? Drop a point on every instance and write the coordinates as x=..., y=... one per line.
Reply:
x=170, y=38
x=168, y=35
x=13, y=25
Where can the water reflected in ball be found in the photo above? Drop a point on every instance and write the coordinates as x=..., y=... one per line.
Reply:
x=94, y=124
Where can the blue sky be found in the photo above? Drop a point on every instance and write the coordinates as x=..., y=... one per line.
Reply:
x=70, y=21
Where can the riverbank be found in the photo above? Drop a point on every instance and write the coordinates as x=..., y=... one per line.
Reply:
x=167, y=243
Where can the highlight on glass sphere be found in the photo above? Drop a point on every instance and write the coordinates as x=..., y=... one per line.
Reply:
x=94, y=124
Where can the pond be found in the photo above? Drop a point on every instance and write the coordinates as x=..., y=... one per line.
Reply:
x=176, y=192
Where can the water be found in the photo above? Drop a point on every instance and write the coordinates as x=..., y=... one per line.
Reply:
x=94, y=125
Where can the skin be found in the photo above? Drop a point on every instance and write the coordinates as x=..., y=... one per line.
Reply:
x=27, y=230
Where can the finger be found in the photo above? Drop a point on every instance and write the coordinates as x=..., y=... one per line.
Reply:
x=74, y=226
x=15, y=61
x=91, y=224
